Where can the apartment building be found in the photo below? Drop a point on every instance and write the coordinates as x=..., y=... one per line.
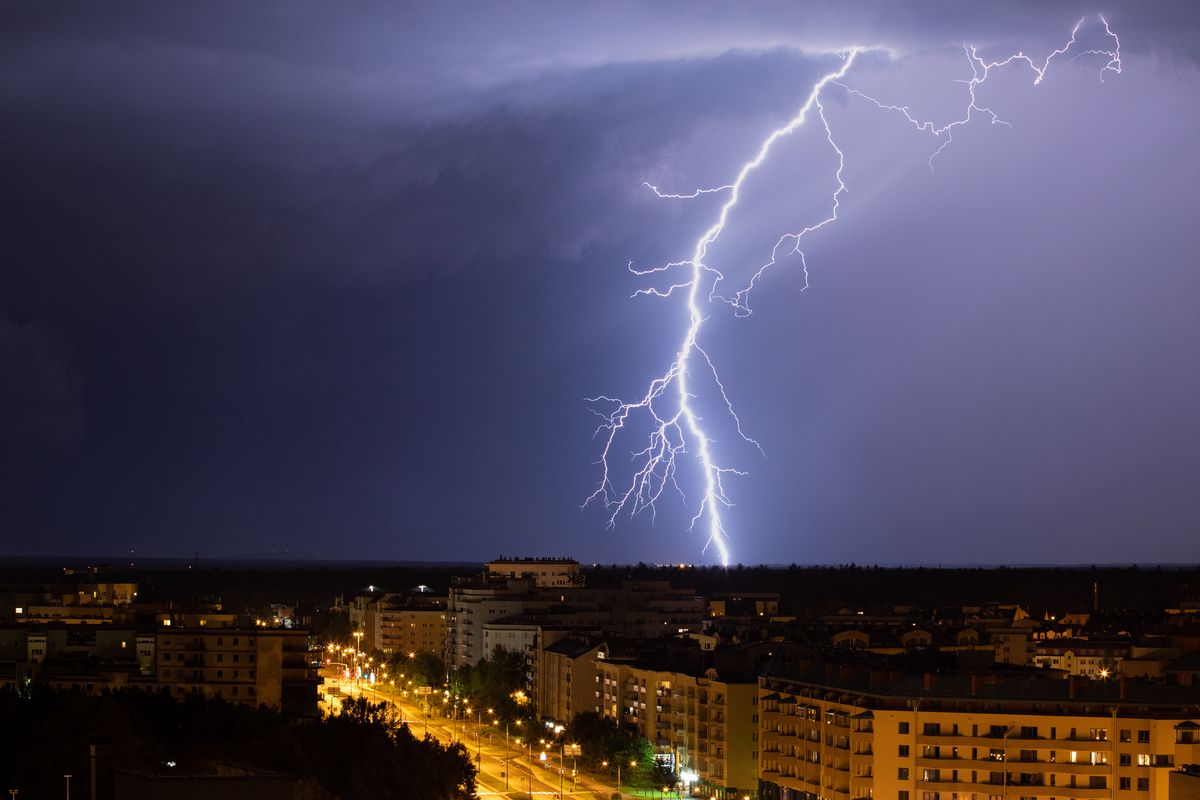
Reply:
x=472, y=604
x=254, y=667
x=830, y=731
x=744, y=605
x=1087, y=658
x=400, y=623
x=544, y=572
x=698, y=721
x=648, y=609
x=565, y=675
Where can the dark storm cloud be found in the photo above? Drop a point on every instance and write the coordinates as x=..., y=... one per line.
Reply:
x=180, y=148
x=350, y=268
x=179, y=189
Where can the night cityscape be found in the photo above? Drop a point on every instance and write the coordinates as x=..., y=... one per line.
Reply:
x=779, y=400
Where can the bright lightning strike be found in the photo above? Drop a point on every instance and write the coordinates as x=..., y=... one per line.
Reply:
x=676, y=428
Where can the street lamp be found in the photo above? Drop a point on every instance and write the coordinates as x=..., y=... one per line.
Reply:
x=507, y=758
x=605, y=764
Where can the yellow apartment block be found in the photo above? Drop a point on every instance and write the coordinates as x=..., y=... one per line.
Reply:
x=565, y=673
x=706, y=724
x=839, y=733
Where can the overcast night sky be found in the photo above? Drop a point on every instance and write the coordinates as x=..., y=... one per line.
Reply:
x=337, y=278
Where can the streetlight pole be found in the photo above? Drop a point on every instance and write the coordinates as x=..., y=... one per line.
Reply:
x=67, y=778
x=1004, y=756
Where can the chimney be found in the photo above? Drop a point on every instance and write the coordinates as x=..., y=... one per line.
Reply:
x=974, y=683
x=1096, y=596
x=928, y=680
x=1072, y=686
x=101, y=768
x=1124, y=684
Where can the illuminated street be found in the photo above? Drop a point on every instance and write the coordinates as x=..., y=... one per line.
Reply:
x=490, y=754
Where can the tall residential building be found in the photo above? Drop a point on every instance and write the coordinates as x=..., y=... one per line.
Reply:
x=829, y=731
x=701, y=723
x=472, y=604
x=565, y=675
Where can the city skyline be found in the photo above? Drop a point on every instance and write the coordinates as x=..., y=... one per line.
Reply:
x=333, y=284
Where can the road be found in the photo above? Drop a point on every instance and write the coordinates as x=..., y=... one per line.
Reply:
x=490, y=753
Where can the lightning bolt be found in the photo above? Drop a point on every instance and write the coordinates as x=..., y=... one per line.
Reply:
x=676, y=429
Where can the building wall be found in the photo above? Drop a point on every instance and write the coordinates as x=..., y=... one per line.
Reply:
x=1012, y=646
x=410, y=630
x=566, y=685
x=1184, y=786
x=268, y=667
x=542, y=571
x=519, y=637
x=706, y=724
x=469, y=609
x=822, y=742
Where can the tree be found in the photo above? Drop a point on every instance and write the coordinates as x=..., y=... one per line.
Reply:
x=601, y=739
x=356, y=755
x=496, y=682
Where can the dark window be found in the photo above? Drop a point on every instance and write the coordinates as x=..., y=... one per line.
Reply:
x=903, y=727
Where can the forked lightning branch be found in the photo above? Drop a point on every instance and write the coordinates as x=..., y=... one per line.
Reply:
x=679, y=441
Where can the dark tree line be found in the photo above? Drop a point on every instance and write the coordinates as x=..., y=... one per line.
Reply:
x=357, y=755
x=808, y=591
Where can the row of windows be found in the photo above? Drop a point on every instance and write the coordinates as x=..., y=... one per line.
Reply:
x=196, y=640
x=1028, y=732
x=220, y=657
x=1019, y=779
x=196, y=674
x=234, y=690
